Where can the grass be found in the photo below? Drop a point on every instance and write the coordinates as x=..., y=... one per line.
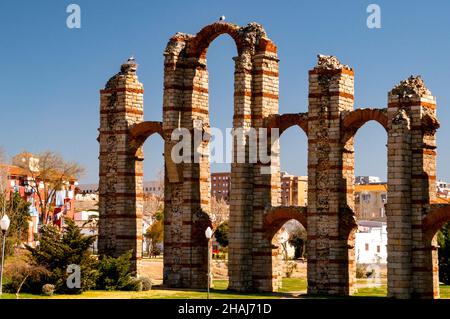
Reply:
x=294, y=284
x=291, y=288
x=380, y=291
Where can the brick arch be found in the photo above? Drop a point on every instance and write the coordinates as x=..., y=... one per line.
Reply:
x=277, y=216
x=354, y=120
x=199, y=44
x=139, y=133
x=285, y=121
x=439, y=215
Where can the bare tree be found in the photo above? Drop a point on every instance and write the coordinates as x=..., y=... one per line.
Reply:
x=4, y=186
x=48, y=173
x=154, y=202
x=220, y=211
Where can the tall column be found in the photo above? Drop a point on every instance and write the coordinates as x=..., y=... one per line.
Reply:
x=241, y=192
x=399, y=200
x=329, y=219
x=185, y=211
x=266, y=273
x=120, y=184
x=243, y=272
x=420, y=273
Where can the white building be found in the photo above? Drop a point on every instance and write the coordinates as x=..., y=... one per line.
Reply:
x=371, y=242
x=88, y=188
x=443, y=189
x=89, y=229
x=367, y=180
x=149, y=187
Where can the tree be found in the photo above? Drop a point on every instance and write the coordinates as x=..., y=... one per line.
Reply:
x=155, y=233
x=17, y=210
x=57, y=251
x=444, y=254
x=4, y=187
x=48, y=173
x=220, y=211
x=92, y=224
x=23, y=275
x=114, y=273
x=298, y=240
x=154, y=203
x=221, y=234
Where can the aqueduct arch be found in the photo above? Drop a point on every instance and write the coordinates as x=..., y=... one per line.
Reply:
x=330, y=124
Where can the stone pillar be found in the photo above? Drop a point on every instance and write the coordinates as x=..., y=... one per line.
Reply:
x=186, y=184
x=329, y=219
x=420, y=275
x=248, y=113
x=241, y=192
x=399, y=201
x=266, y=174
x=120, y=184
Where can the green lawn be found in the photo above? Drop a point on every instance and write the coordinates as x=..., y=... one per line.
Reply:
x=292, y=288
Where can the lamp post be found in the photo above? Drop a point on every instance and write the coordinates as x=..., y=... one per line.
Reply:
x=208, y=234
x=4, y=225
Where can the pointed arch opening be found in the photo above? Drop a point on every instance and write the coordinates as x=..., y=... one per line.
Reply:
x=365, y=144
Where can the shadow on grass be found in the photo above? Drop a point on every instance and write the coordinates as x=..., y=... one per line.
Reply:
x=228, y=292
x=284, y=295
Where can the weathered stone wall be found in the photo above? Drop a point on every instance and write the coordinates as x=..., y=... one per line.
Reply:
x=120, y=172
x=329, y=217
x=255, y=212
x=412, y=261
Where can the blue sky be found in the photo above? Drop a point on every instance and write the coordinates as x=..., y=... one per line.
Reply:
x=51, y=75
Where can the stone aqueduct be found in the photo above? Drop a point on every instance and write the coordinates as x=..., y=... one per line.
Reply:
x=330, y=124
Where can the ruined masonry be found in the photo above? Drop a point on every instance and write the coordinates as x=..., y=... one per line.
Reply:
x=255, y=212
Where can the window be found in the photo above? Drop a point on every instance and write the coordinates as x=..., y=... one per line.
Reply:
x=214, y=178
x=378, y=249
x=384, y=198
x=366, y=197
x=367, y=247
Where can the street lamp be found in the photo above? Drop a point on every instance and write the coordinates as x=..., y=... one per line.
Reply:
x=4, y=225
x=208, y=234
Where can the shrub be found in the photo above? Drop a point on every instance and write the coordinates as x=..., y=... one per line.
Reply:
x=57, y=250
x=443, y=238
x=48, y=289
x=114, y=273
x=290, y=268
x=22, y=276
x=361, y=271
x=156, y=251
x=135, y=284
x=371, y=273
x=298, y=239
x=221, y=234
